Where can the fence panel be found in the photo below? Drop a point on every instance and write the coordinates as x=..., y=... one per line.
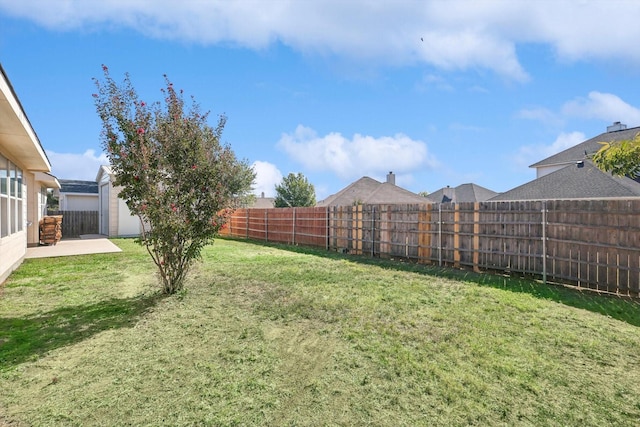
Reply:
x=77, y=223
x=595, y=243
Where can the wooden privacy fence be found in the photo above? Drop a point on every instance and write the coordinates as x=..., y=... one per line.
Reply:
x=77, y=223
x=298, y=226
x=587, y=243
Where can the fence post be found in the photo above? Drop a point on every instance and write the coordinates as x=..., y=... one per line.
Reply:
x=440, y=234
x=544, y=242
x=293, y=238
x=328, y=227
x=476, y=237
x=456, y=235
x=266, y=225
x=373, y=231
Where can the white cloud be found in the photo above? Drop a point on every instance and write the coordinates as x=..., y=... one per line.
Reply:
x=267, y=177
x=456, y=34
x=603, y=106
x=530, y=154
x=358, y=156
x=76, y=166
x=542, y=115
x=437, y=82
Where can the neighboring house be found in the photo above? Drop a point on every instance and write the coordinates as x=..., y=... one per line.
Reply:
x=461, y=193
x=263, y=202
x=24, y=179
x=115, y=218
x=369, y=191
x=584, y=150
x=571, y=174
x=76, y=195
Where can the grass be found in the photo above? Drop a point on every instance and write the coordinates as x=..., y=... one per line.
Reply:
x=269, y=335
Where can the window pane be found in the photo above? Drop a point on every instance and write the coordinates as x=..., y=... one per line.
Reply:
x=12, y=180
x=12, y=215
x=3, y=175
x=4, y=216
x=20, y=219
x=19, y=181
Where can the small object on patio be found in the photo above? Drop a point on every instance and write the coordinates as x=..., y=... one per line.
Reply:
x=50, y=229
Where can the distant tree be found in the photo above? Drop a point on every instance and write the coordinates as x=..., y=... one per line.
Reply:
x=53, y=204
x=423, y=193
x=175, y=174
x=295, y=190
x=620, y=158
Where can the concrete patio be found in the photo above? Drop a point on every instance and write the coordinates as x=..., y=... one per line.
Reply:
x=85, y=245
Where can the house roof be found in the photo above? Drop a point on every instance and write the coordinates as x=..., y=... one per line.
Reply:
x=76, y=186
x=587, y=148
x=18, y=139
x=263, y=202
x=462, y=193
x=576, y=181
x=368, y=190
x=103, y=170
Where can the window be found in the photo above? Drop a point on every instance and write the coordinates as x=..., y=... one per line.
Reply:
x=11, y=198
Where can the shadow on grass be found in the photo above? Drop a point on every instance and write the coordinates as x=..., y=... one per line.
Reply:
x=27, y=338
x=622, y=308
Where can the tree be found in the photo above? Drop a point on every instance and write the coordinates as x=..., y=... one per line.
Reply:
x=423, y=193
x=175, y=174
x=620, y=158
x=295, y=190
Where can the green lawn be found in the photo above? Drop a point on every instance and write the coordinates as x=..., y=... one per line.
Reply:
x=268, y=335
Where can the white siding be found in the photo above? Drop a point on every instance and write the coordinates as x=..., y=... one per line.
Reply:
x=12, y=251
x=79, y=202
x=104, y=208
x=128, y=225
x=546, y=170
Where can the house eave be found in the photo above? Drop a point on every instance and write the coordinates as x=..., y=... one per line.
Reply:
x=17, y=137
x=47, y=180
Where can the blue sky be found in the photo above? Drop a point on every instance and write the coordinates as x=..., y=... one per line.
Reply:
x=440, y=93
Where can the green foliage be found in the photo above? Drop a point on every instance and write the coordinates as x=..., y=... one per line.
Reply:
x=423, y=193
x=295, y=190
x=620, y=158
x=175, y=175
x=53, y=204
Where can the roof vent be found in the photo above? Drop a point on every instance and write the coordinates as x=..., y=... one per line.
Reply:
x=616, y=126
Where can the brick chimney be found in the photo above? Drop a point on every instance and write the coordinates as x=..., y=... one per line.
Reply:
x=391, y=178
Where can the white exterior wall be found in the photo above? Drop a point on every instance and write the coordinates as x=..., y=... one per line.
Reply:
x=79, y=202
x=12, y=249
x=103, y=199
x=546, y=170
x=128, y=225
x=113, y=210
x=33, y=214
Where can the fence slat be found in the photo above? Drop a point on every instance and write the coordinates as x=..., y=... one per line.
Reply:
x=77, y=223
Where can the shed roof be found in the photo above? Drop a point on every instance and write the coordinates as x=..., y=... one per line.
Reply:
x=77, y=186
